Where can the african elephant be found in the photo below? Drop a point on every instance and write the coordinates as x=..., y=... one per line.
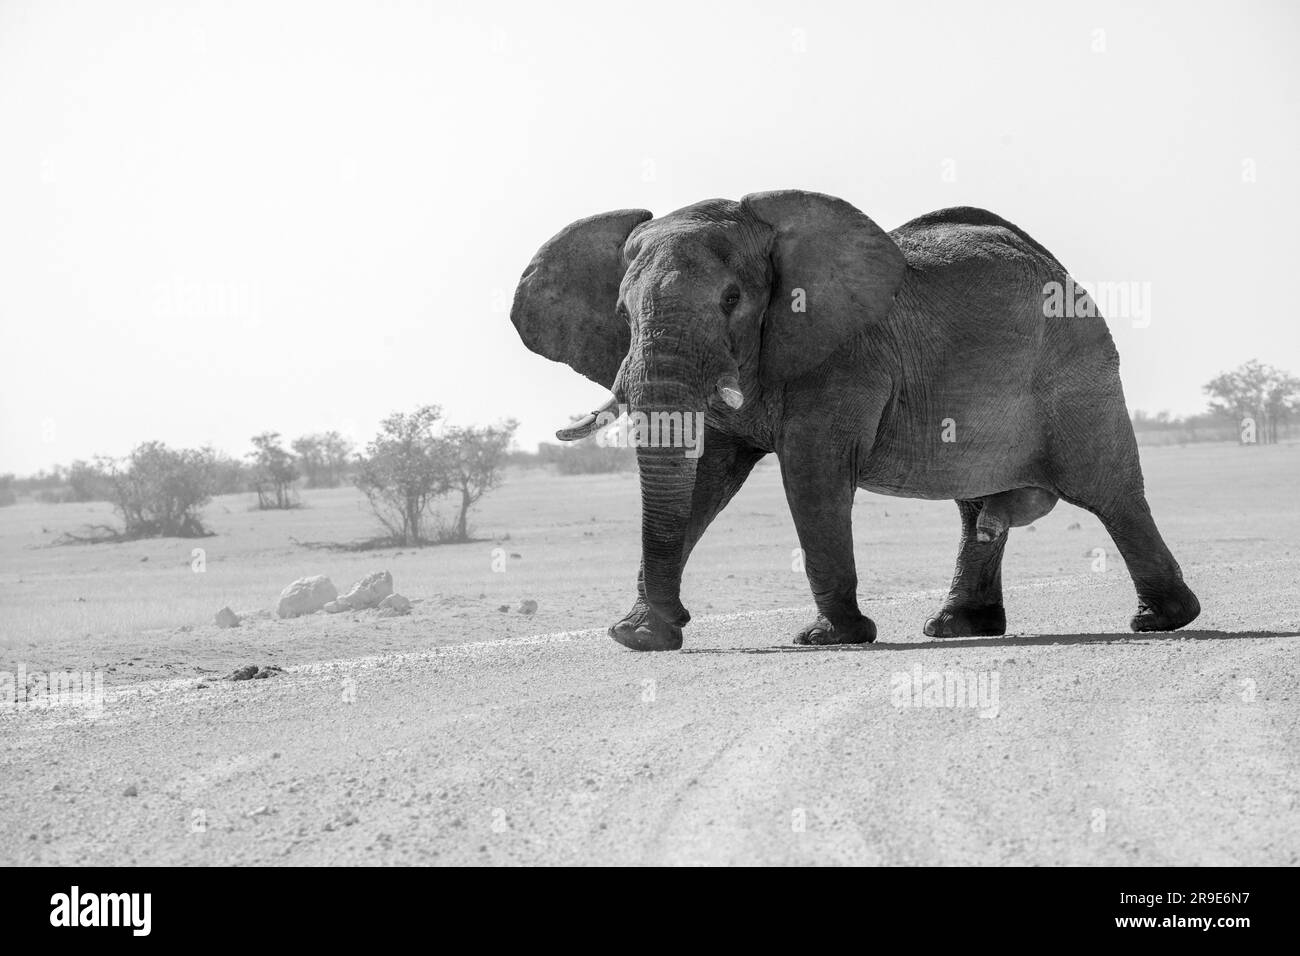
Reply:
x=919, y=363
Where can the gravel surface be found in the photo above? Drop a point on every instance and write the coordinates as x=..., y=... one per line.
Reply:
x=1096, y=746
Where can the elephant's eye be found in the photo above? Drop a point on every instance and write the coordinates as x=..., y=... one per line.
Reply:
x=730, y=299
x=621, y=309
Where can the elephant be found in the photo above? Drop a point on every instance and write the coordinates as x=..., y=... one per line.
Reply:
x=917, y=363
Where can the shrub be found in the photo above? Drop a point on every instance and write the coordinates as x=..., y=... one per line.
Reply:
x=587, y=457
x=229, y=475
x=474, y=458
x=401, y=472
x=87, y=482
x=411, y=463
x=323, y=458
x=274, y=472
x=159, y=491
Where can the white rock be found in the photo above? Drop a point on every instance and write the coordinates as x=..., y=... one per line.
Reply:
x=395, y=605
x=227, y=618
x=306, y=596
x=369, y=591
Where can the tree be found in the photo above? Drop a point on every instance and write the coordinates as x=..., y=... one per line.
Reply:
x=474, y=457
x=588, y=456
x=159, y=491
x=87, y=482
x=1255, y=395
x=413, y=462
x=7, y=496
x=230, y=475
x=310, y=459
x=403, y=472
x=274, y=472
x=323, y=457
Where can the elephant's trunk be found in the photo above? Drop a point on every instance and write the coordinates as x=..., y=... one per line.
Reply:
x=668, y=430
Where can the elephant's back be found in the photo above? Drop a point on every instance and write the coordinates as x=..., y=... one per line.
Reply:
x=980, y=292
x=967, y=234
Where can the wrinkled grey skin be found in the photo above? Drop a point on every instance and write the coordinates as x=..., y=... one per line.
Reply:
x=857, y=354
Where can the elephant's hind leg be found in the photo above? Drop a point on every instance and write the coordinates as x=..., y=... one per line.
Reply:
x=974, y=604
x=1165, y=603
x=1099, y=470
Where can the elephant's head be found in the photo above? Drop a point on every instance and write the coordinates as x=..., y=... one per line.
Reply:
x=706, y=307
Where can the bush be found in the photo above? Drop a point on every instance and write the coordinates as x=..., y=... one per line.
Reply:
x=323, y=458
x=87, y=482
x=587, y=457
x=7, y=495
x=274, y=472
x=401, y=472
x=159, y=491
x=475, y=457
x=412, y=463
x=229, y=475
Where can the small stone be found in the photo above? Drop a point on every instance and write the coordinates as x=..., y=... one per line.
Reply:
x=247, y=672
x=131, y=791
x=227, y=618
x=504, y=608
x=528, y=607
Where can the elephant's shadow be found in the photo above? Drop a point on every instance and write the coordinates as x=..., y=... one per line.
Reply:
x=1017, y=640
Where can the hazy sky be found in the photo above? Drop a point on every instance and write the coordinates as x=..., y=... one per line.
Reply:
x=223, y=218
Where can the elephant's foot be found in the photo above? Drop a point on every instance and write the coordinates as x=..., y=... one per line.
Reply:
x=862, y=630
x=642, y=630
x=1167, y=610
x=955, y=620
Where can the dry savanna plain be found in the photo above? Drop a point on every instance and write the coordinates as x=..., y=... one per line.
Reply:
x=471, y=732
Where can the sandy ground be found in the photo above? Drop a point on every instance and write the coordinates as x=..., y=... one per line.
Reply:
x=1091, y=748
x=462, y=734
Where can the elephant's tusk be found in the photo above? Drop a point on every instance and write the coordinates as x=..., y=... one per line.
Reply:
x=588, y=423
x=729, y=389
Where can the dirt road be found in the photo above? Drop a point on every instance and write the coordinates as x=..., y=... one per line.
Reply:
x=1072, y=748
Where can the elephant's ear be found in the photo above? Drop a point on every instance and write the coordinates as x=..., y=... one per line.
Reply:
x=564, y=305
x=835, y=272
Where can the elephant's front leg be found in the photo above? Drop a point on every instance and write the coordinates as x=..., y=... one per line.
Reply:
x=723, y=467
x=820, y=494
